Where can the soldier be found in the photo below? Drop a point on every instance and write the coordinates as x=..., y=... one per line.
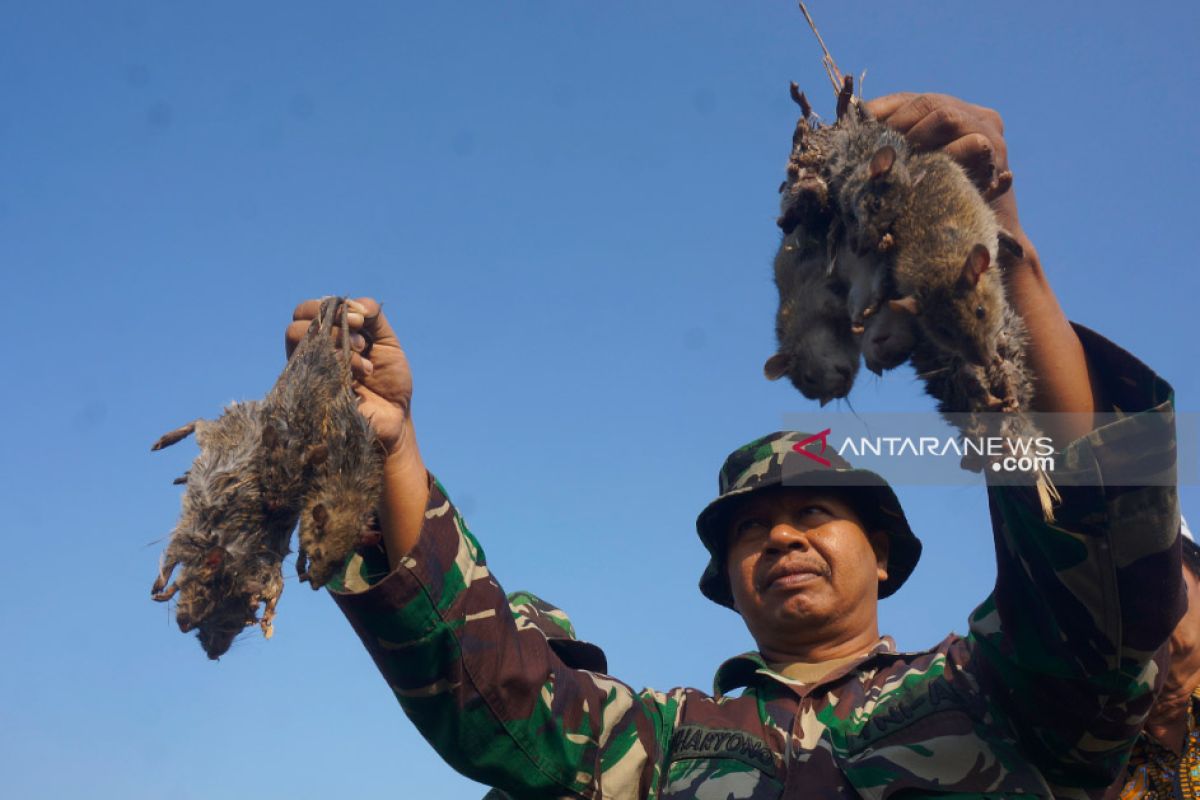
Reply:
x=1044, y=696
x=1166, y=759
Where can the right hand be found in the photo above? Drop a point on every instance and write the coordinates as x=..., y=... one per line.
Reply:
x=383, y=380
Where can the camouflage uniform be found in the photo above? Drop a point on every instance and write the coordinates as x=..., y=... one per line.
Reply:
x=1044, y=696
x=529, y=610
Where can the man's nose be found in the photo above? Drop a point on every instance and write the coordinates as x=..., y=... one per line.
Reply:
x=784, y=535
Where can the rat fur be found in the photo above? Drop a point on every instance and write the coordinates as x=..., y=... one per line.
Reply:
x=817, y=351
x=339, y=506
x=888, y=339
x=944, y=247
x=245, y=491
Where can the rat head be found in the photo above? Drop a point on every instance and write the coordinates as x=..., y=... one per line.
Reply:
x=336, y=522
x=873, y=199
x=887, y=339
x=818, y=355
x=965, y=317
x=218, y=607
x=217, y=636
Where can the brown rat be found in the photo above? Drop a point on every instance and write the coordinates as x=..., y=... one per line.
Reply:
x=244, y=492
x=340, y=503
x=944, y=247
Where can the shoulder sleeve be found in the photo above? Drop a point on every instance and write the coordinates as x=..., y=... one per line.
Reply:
x=494, y=701
x=1067, y=642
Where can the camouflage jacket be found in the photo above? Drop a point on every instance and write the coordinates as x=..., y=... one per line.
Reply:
x=1045, y=695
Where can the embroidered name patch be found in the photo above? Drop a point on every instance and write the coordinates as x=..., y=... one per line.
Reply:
x=698, y=741
x=900, y=712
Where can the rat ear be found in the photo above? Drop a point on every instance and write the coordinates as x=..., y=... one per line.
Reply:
x=777, y=366
x=907, y=305
x=881, y=162
x=978, y=261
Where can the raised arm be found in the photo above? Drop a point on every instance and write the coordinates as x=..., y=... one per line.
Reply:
x=1067, y=643
x=974, y=136
x=493, y=699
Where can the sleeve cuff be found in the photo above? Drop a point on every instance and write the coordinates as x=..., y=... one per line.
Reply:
x=407, y=602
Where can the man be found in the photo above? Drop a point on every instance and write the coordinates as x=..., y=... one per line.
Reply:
x=1045, y=696
x=1166, y=759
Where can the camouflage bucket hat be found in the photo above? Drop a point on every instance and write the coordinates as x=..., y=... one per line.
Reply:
x=790, y=458
x=531, y=611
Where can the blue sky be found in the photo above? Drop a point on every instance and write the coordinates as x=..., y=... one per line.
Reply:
x=567, y=209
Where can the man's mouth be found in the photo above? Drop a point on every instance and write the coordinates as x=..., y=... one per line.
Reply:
x=793, y=575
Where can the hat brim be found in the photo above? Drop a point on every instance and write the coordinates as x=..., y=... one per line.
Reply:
x=880, y=510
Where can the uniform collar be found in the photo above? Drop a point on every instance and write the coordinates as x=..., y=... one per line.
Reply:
x=748, y=668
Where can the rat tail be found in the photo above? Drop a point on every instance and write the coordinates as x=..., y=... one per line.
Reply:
x=1048, y=495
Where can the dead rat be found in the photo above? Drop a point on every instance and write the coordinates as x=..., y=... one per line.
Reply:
x=227, y=567
x=888, y=338
x=245, y=490
x=942, y=238
x=966, y=392
x=817, y=351
x=339, y=506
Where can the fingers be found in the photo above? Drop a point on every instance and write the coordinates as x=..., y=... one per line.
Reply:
x=935, y=120
x=375, y=325
x=366, y=306
x=355, y=315
x=972, y=135
x=295, y=331
x=974, y=154
x=904, y=110
x=360, y=367
x=881, y=108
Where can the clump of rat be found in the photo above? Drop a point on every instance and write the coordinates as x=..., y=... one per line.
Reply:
x=303, y=449
x=895, y=255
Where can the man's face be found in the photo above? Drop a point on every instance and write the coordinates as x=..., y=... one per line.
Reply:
x=803, y=572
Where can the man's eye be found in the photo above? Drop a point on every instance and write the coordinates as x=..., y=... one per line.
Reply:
x=749, y=526
x=815, y=510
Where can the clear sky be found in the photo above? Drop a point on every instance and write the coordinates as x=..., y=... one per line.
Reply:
x=568, y=211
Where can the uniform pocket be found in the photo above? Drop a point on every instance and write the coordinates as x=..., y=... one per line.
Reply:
x=718, y=779
x=939, y=754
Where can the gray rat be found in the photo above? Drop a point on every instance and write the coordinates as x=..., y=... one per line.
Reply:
x=817, y=351
x=888, y=338
x=227, y=567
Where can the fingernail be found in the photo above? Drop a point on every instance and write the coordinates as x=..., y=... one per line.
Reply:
x=356, y=306
x=355, y=319
x=368, y=367
x=357, y=341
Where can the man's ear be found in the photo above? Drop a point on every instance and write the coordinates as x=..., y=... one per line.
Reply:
x=880, y=541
